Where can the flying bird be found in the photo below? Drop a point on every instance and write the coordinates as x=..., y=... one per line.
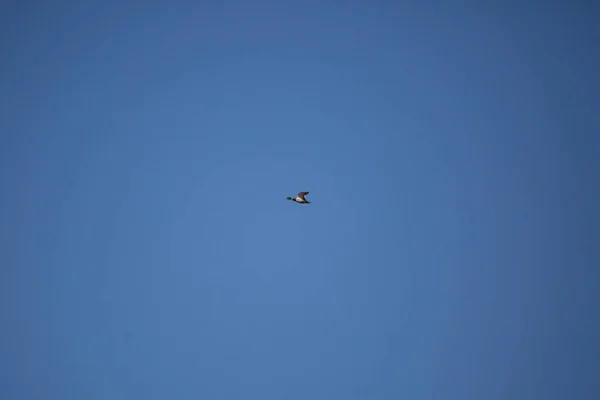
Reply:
x=300, y=198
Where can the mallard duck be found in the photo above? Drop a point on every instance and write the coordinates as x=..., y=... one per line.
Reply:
x=300, y=198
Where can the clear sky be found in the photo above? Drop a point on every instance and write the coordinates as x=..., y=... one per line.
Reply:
x=451, y=249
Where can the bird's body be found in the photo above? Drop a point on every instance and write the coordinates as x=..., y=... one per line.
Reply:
x=299, y=198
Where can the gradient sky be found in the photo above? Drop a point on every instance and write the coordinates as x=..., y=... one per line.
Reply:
x=451, y=152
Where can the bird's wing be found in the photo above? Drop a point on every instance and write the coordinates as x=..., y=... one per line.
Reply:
x=302, y=194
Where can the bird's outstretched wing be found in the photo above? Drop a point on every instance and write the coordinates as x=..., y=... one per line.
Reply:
x=302, y=194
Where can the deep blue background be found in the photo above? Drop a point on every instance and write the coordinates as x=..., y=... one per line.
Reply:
x=451, y=153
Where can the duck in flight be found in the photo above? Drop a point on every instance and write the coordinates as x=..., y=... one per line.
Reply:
x=300, y=198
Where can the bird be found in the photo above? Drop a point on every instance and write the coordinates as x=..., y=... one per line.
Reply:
x=300, y=198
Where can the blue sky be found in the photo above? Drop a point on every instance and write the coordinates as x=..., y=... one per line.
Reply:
x=451, y=154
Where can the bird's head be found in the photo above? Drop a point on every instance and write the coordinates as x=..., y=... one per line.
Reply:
x=288, y=198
